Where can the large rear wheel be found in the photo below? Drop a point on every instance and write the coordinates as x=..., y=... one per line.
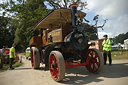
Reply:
x=96, y=61
x=57, y=65
x=35, y=57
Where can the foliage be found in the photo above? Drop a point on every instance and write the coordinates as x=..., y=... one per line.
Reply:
x=65, y=3
x=6, y=31
x=120, y=38
x=24, y=14
x=90, y=32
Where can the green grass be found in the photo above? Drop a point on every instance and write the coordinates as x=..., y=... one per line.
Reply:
x=28, y=54
x=118, y=55
x=6, y=66
x=22, y=53
x=17, y=64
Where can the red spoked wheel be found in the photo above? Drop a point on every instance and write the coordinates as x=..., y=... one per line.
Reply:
x=35, y=57
x=56, y=65
x=96, y=61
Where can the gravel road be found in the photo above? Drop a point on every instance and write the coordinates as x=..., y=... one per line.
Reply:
x=117, y=74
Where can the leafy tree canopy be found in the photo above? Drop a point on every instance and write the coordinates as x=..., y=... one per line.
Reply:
x=24, y=14
x=120, y=38
x=6, y=30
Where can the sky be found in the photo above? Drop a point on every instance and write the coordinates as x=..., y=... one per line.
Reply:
x=116, y=11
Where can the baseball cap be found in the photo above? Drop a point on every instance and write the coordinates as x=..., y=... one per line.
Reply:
x=105, y=36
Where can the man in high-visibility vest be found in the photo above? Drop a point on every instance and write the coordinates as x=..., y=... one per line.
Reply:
x=12, y=55
x=107, y=49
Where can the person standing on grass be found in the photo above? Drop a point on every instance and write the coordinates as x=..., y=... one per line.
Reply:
x=107, y=49
x=12, y=55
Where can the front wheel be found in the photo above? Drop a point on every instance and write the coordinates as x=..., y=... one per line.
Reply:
x=35, y=58
x=96, y=61
x=57, y=65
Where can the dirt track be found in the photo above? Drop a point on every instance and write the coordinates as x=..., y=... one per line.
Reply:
x=117, y=74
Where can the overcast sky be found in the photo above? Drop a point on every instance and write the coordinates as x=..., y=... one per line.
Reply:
x=116, y=11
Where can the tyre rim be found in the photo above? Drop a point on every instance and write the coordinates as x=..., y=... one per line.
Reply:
x=94, y=61
x=32, y=60
x=53, y=66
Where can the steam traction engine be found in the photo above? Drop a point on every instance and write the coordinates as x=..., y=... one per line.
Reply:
x=62, y=44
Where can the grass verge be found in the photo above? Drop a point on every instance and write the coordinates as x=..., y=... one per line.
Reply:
x=118, y=55
x=6, y=66
x=22, y=53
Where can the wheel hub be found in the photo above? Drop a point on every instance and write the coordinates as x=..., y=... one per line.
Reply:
x=53, y=66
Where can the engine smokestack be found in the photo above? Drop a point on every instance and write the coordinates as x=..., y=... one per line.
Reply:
x=73, y=12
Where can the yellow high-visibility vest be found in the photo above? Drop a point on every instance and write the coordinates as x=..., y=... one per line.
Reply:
x=107, y=45
x=12, y=50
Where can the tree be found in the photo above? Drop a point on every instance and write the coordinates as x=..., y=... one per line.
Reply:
x=90, y=32
x=65, y=3
x=120, y=38
x=6, y=30
x=25, y=14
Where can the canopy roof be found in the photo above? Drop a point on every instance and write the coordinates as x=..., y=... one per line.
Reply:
x=56, y=18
